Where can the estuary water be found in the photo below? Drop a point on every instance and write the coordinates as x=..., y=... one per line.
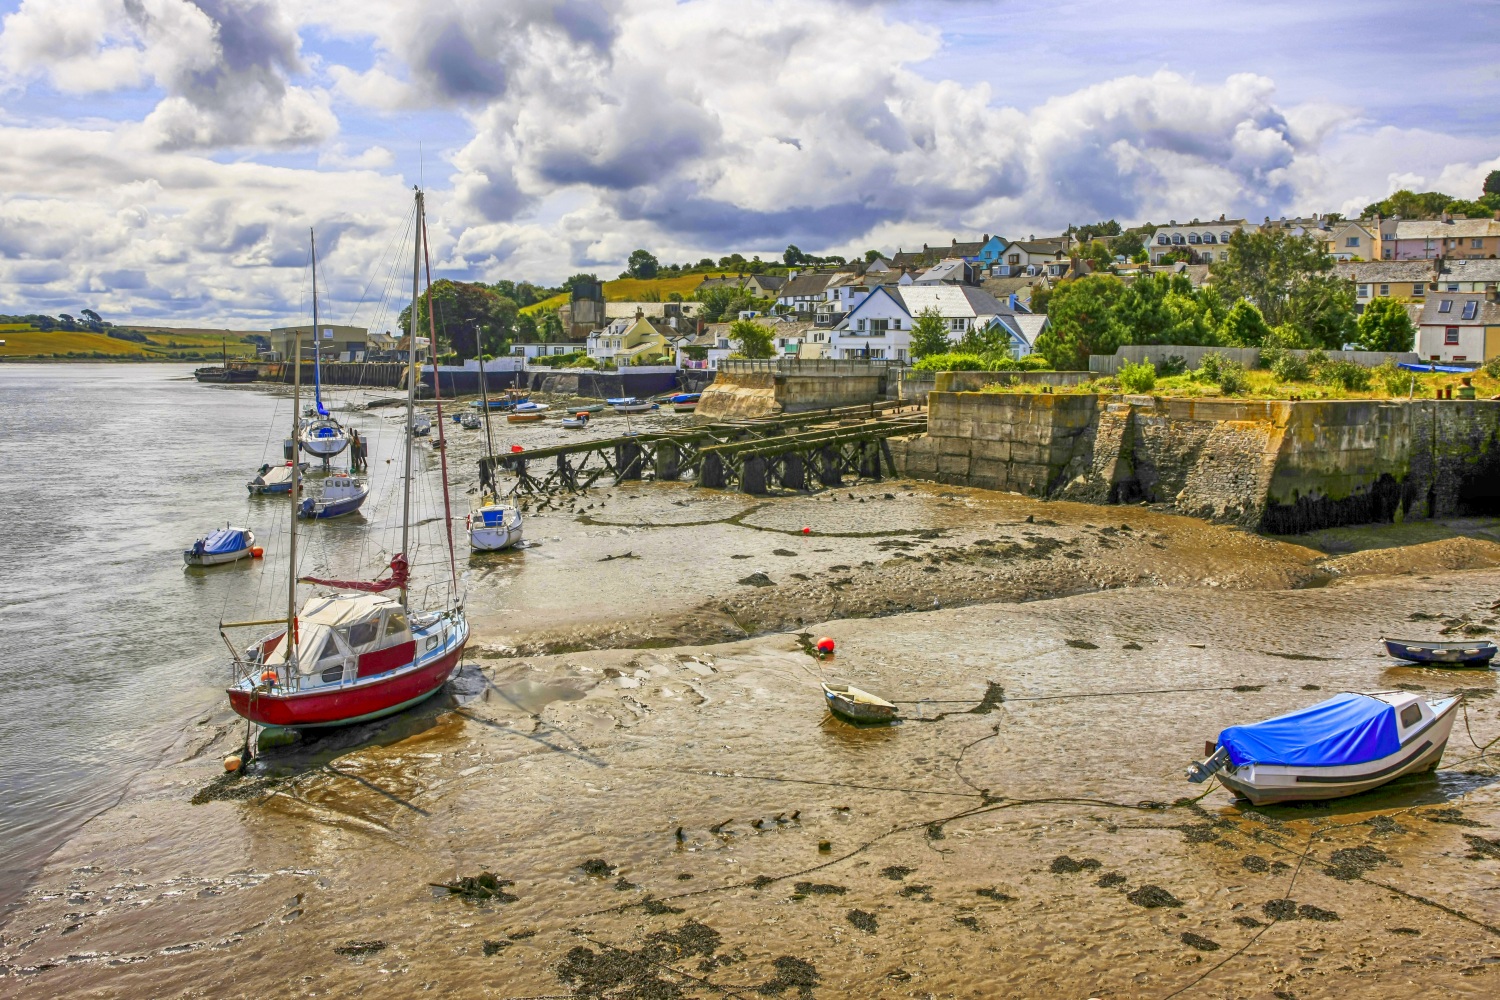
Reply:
x=107, y=472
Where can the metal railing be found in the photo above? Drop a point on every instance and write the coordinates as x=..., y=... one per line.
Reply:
x=809, y=366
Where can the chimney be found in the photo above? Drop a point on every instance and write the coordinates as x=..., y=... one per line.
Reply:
x=1221, y=216
x=986, y=237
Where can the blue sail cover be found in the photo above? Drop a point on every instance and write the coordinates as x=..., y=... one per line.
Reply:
x=318, y=373
x=1345, y=729
x=224, y=541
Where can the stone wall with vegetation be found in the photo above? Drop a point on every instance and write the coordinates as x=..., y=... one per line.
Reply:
x=1276, y=466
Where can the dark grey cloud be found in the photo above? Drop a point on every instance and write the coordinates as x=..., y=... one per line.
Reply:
x=685, y=213
x=454, y=65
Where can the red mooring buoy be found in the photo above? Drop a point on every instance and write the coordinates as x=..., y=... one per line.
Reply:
x=825, y=646
x=807, y=531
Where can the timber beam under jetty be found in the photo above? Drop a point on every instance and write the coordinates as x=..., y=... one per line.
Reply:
x=753, y=456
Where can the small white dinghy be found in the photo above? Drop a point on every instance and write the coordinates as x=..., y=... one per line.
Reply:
x=470, y=421
x=222, y=546
x=1348, y=744
x=576, y=421
x=421, y=425
x=494, y=526
x=857, y=706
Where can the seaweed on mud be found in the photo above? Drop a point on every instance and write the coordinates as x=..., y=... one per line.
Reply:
x=1481, y=848
x=1248, y=922
x=1199, y=941
x=355, y=948
x=972, y=923
x=1081, y=644
x=758, y=882
x=1405, y=931
x=915, y=891
x=1152, y=896
x=994, y=696
x=597, y=868
x=614, y=972
x=233, y=785
x=935, y=832
x=1288, y=909
x=996, y=895
x=1064, y=865
x=1384, y=825
x=1309, y=912
x=492, y=948
x=791, y=974
x=818, y=889
x=1247, y=688
x=1199, y=834
x=757, y=580
x=1350, y=863
x=1110, y=879
x=657, y=908
x=1448, y=815
x=480, y=888
x=896, y=872
x=863, y=921
x=1132, y=645
x=1255, y=863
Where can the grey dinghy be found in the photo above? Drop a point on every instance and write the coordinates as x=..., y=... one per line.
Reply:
x=857, y=706
x=1348, y=744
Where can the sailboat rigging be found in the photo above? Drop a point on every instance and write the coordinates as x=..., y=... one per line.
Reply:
x=357, y=654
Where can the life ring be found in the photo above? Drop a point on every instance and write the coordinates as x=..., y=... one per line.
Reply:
x=268, y=677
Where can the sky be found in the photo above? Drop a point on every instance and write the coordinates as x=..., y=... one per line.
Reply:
x=165, y=160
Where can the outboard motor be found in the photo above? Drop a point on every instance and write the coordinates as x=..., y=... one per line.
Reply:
x=1201, y=771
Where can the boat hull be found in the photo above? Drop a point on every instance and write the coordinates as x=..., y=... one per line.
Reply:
x=684, y=407
x=856, y=711
x=1457, y=654
x=634, y=407
x=1269, y=784
x=324, y=447
x=321, y=510
x=526, y=417
x=347, y=705
x=214, y=558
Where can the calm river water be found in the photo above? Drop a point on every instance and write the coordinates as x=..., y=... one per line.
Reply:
x=106, y=473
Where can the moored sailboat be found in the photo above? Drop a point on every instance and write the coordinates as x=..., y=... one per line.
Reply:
x=493, y=525
x=358, y=654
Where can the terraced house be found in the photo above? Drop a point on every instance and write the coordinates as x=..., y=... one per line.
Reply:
x=1426, y=239
x=1460, y=326
x=880, y=326
x=1206, y=242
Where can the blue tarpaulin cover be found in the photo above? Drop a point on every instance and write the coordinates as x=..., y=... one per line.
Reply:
x=1346, y=729
x=493, y=517
x=225, y=540
x=1429, y=368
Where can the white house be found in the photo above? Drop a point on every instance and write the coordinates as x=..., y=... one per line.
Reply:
x=1206, y=241
x=1027, y=256
x=880, y=325
x=1459, y=326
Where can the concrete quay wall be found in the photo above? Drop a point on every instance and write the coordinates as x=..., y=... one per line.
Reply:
x=766, y=394
x=1276, y=466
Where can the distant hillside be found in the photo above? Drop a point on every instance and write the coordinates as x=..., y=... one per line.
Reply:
x=160, y=343
x=633, y=289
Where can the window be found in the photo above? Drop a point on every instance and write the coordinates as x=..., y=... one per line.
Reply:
x=878, y=327
x=1208, y=238
x=1476, y=244
x=1352, y=241
x=1418, y=289
x=1193, y=238
x=958, y=324
x=1362, y=291
x=877, y=352
x=1385, y=253
x=1429, y=245
x=395, y=624
x=860, y=326
x=1410, y=716
x=1450, y=336
x=1223, y=237
x=1385, y=289
x=895, y=324
x=1223, y=254
x=1471, y=309
x=1161, y=238
x=1446, y=306
x=364, y=633
x=1015, y=258
x=1453, y=288
x=1177, y=239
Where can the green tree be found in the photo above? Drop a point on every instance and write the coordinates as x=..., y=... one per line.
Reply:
x=642, y=264
x=549, y=328
x=1082, y=322
x=1492, y=182
x=929, y=334
x=1290, y=280
x=1164, y=309
x=526, y=331
x=1244, y=326
x=1385, y=325
x=792, y=256
x=725, y=301
x=1322, y=308
x=578, y=281
x=1127, y=244
x=1411, y=205
x=752, y=339
x=871, y=256
x=465, y=312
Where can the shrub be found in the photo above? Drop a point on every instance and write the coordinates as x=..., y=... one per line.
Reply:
x=1212, y=366
x=951, y=363
x=1289, y=367
x=1172, y=364
x=1492, y=367
x=1138, y=378
x=1347, y=374
x=1232, y=378
x=1396, y=380
x=1033, y=363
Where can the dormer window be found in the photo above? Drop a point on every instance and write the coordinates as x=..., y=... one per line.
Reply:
x=1193, y=238
x=1177, y=239
x=1223, y=237
x=1208, y=238
x=1162, y=239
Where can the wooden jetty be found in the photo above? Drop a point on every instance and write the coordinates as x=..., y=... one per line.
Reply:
x=792, y=452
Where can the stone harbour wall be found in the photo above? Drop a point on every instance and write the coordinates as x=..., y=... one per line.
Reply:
x=765, y=394
x=1275, y=466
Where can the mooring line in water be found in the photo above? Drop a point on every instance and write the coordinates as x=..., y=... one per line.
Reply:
x=376, y=788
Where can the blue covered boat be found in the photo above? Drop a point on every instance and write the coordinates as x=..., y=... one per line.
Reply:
x=341, y=495
x=1348, y=744
x=222, y=546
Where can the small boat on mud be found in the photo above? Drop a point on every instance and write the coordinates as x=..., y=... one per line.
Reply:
x=857, y=706
x=576, y=421
x=1348, y=744
x=494, y=526
x=225, y=373
x=1463, y=653
x=530, y=407
x=590, y=408
x=685, y=402
x=225, y=545
x=631, y=404
x=421, y=425
x=323, y=437
x=470, y=421
x=341, y=495
x=524, y=418
x=273, y=479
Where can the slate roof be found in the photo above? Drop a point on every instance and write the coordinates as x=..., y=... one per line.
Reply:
x=1378, y=271
x=1488, y=313
x=1459, y=269
x=1436, y=229
x=805, y=285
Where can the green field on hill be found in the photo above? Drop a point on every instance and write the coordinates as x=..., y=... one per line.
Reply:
x=24, y=341
x=632, y=290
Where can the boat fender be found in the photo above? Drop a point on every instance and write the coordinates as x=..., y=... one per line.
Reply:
x=516, y=449
x=825, y=646
x=257, y=552
x=268, y=677
x=232, y=763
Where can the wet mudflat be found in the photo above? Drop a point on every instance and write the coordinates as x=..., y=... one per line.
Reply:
x=689, y=822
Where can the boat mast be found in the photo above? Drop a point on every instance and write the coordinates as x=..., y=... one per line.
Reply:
x=291, y=574
x=484, y=396
x=411, y=378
